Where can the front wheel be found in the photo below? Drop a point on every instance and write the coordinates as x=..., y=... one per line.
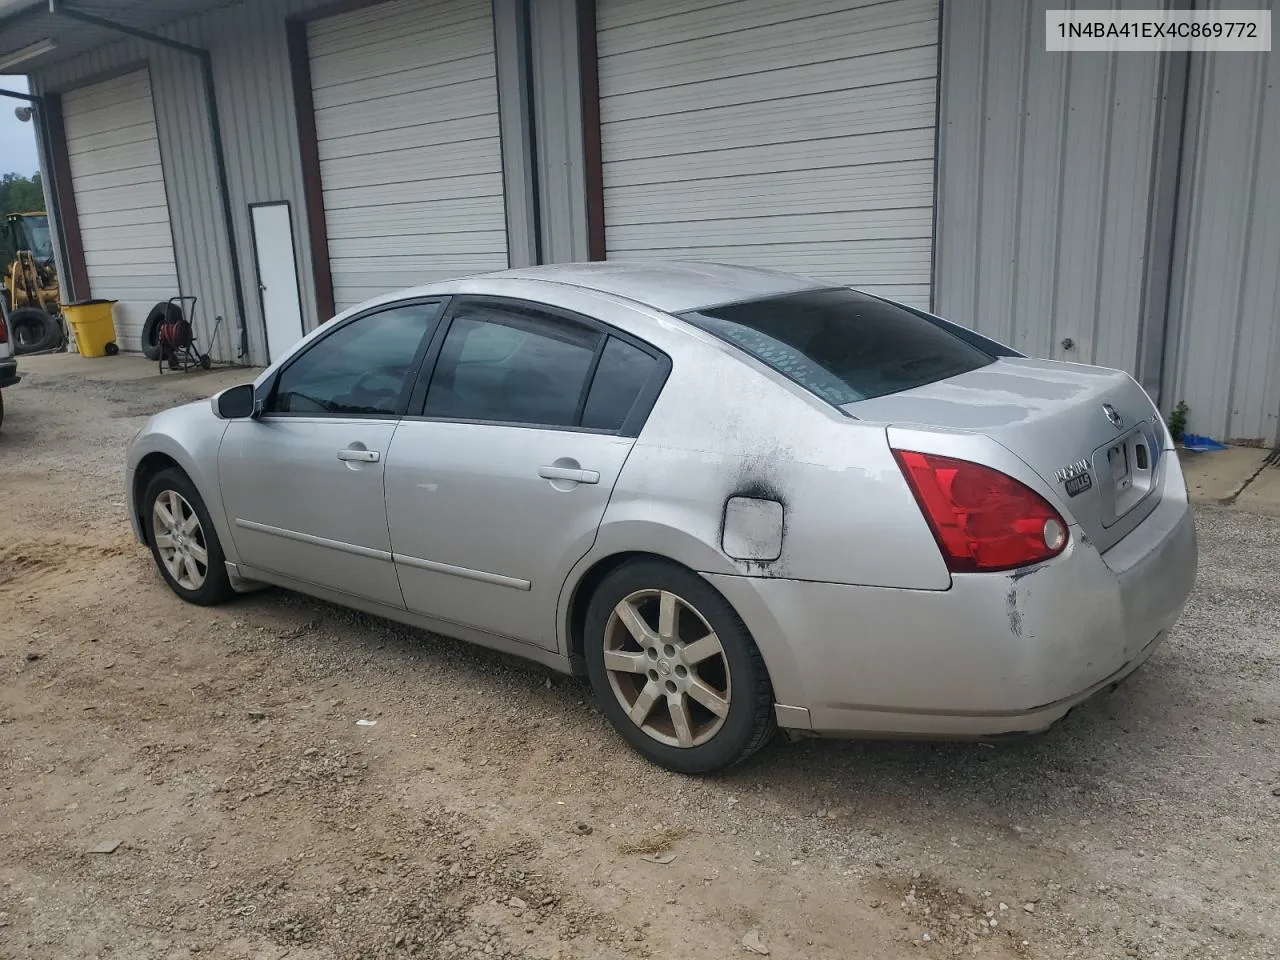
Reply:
x=183, y=541
x=675, y=670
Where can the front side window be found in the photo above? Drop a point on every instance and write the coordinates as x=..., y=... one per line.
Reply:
x=511, y=365
x=840, y=344
x=361, y=369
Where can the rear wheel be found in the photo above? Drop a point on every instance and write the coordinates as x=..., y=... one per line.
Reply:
x=674, y=669
x=34, y=331
x=183, y=541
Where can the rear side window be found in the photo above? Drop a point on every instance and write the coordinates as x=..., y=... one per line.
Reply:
x=512, y=366
x=620, y=376
x=840, y=344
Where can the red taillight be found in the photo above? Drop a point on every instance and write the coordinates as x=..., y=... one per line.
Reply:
x=4, y=331
x=982, y=519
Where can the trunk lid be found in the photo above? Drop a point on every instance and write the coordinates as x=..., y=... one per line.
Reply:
x=1091, y=433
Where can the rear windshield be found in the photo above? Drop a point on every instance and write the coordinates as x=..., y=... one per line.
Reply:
x=842, y=345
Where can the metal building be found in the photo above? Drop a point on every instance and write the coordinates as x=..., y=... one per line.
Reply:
x=284, y=159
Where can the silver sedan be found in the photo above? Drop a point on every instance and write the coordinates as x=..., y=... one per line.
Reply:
x=736, y=500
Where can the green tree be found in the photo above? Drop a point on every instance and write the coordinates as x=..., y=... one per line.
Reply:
x=18, y=194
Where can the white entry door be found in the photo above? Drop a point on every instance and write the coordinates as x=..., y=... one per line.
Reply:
x=277, y=276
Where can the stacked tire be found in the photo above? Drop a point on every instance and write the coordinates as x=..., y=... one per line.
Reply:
x=34, y=331
x=160, y=314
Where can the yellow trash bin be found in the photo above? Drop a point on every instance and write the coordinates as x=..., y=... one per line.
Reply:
x=93, y=326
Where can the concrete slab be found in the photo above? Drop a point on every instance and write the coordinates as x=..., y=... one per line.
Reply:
x=1263, y=494
x=1218, y=476
x=124, y=369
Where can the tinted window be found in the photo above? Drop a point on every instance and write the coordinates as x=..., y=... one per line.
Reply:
x=622, y=373
x=38, y=235
x=842, y=345
x=513, y=366
x=360, y=368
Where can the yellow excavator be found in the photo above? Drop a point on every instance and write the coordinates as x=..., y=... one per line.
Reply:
x=31, y=282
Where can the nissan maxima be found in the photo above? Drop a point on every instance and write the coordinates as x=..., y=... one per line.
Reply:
x=736, y=500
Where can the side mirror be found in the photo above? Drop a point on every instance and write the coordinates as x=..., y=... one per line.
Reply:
x=236, y=403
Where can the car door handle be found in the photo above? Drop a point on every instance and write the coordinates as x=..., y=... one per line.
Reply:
x=569, y=473
x=364, y=456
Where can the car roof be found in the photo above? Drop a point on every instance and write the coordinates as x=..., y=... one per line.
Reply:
x=672, y=286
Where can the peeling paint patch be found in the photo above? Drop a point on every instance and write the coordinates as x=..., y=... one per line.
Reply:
x=1011, y=607
x=1017, y=575
x=757, y=489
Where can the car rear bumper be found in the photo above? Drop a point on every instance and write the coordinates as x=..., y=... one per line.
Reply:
x=995, y=654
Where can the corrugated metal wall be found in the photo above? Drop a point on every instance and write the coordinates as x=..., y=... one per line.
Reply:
x=796, y=136
x=187, y=158
x=409, y=137
x=1045, y=171
x=1225, y=307
x=1055, y=187
x=255, y=97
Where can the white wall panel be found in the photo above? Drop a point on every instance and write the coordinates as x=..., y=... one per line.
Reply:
x=406, y=110
x=119, y=187
x=798, y=136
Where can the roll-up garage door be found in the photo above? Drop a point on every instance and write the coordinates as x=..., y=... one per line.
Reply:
x=118, y=183
x=797, y=136
x=406, y=108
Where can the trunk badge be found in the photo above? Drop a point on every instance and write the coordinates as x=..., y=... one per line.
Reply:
x=1075, y=477
x=1072, y=470
x=1117, y=421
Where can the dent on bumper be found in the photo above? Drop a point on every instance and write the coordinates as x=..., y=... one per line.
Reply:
x=997, y=653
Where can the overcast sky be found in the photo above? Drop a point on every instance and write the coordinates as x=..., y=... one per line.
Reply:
x=17, y=140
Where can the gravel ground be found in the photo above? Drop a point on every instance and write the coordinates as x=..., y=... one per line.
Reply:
x=491, y=812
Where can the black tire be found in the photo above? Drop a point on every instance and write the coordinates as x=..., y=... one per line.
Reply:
x=749, y=722
x=112, y=349
x=151, y=327
x=216, y=586
x=206, y=362
x=34, y=331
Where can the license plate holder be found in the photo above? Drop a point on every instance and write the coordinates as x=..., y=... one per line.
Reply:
x=1125, y=469
x=1118, y=460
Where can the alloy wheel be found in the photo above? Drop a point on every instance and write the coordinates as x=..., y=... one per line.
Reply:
x=180, y=540
x=667, y=668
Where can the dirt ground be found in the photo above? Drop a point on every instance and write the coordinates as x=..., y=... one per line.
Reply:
x=490, y=812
